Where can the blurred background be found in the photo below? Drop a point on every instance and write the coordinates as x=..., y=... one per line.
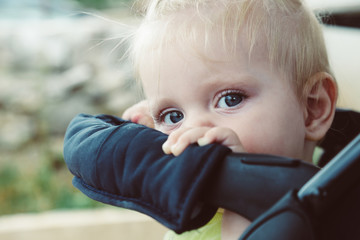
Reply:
x=59, y=58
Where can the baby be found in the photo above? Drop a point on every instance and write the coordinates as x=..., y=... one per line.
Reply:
x=252, y=75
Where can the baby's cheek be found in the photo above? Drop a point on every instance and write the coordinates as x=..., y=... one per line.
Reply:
x=275, y=144
x=253, y=143
x=161, y=129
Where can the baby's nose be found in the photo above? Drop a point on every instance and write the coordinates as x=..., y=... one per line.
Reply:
x=202, y=120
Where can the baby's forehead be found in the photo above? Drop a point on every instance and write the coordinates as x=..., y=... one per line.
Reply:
x=208, y=50
x=201, y=32
x=195, y=30
x=204, y=46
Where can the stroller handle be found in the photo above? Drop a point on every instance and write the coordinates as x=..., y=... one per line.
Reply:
x=249, y=184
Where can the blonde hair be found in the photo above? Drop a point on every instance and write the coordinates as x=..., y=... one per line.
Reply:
x=292, y=33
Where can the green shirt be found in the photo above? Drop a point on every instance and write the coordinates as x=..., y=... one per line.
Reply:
x=211, y=231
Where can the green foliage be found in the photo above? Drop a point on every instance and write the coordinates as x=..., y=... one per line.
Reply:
x=48, y=187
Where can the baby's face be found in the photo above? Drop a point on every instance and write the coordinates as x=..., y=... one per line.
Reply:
x=259, y=104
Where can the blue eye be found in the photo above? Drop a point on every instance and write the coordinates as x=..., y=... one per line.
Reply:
x=230, y=100
x=172, y=117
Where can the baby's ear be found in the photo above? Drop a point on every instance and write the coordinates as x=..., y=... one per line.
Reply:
x=320, y=106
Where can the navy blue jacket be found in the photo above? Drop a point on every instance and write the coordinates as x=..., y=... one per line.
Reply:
x=121, y=163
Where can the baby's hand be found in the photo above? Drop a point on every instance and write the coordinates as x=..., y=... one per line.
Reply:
x=139, y=113
x=180, y=139
x=233, y=224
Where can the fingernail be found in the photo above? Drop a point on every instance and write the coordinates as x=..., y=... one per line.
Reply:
x=202, y=141
x=175, y=150
x=166, y=148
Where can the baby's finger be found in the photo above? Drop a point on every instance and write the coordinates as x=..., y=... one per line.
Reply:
x=172, y=139
x=224, y=136
x=139, y=113
x=127, y=114
x=131, y=111
x=136, y=109
x=188, y=137
x=146, y=120
x=180, y=139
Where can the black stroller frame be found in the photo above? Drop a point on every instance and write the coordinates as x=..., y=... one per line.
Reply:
x=326, y=207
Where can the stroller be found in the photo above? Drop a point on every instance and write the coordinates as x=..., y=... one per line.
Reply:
x=326, y=207
x=285, y=198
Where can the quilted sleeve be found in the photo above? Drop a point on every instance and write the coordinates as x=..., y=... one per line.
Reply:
x=121, y=163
